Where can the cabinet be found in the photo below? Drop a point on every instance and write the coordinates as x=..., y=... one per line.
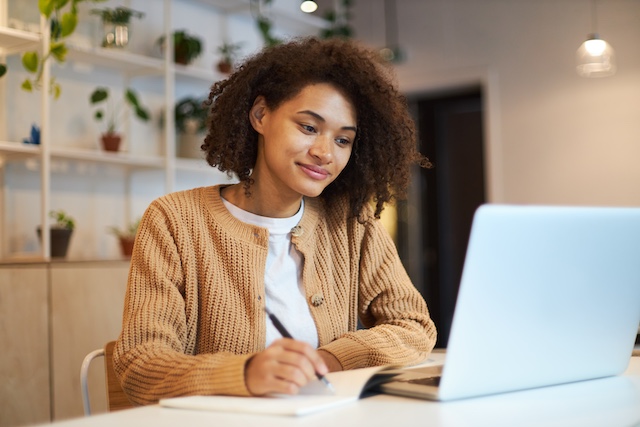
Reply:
x=53, y=314
x=68, y=170
x=24, y=339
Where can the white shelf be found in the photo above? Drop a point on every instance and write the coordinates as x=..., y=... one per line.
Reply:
x=17, y=150
x=13, y=41
x=116, y=158
x=120, y=60
x=194, y=165
x=198, y=74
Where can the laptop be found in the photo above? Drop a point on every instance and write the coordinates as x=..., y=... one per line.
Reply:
x=548, y=295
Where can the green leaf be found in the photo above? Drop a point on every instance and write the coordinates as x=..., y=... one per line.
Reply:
x=55, y=88
x=68, y=23
x=26, y=85
x=131, y=98
x=46, y=7
x=59, y=51
x=59, y=4
x=98, y=115
x=56, y=29
x=3, y=70
x=99, y=95
x=30, y=61
x=142, y=114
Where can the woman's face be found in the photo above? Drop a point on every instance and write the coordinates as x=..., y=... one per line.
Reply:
x=304, y=143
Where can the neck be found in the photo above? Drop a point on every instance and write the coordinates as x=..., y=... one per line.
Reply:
x=259, y=203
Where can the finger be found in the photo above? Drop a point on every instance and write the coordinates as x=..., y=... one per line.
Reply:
x=311, y=355
x=278, y=369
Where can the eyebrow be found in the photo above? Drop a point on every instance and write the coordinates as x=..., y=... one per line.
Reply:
x=319, y=117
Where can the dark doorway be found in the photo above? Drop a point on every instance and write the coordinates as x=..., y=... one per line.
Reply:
x=444, y=199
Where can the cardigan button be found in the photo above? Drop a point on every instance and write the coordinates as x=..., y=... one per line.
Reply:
x=317, y=300
x=297, y=231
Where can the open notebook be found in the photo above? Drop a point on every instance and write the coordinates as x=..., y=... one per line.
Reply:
x=348, y=385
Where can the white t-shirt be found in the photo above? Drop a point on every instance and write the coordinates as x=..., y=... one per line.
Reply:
x=284, y=292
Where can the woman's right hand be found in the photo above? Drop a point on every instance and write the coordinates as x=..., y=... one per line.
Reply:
x=283, y=367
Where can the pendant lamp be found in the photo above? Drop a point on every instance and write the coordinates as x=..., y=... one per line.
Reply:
x=595, y=57
x=308, y=6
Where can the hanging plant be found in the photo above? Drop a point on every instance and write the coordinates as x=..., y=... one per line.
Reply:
x=63, y=15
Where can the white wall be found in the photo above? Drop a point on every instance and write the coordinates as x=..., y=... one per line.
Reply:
x=553, y=137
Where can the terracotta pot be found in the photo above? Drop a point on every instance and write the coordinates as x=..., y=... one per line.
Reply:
x=225, y=67
x=58, y=241
x=126, y=246
x=111, y=141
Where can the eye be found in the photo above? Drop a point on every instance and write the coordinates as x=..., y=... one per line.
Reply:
x=343, y=141
x=308, y=128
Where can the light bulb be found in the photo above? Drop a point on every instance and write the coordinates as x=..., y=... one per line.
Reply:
x=595, y=47
x=595, y=58
x=308, y=6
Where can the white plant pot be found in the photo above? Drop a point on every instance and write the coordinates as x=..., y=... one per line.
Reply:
x=190, y=141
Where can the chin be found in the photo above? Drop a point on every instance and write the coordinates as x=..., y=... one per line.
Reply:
x=312, y=191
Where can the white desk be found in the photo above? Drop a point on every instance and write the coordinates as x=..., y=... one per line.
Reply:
x=609, y=402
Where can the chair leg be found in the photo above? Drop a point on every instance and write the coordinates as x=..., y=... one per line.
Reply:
x=84, y=372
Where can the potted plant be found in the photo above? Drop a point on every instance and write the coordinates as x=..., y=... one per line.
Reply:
x=229, y=52
x=126, y=237
x=60, y=233
x=186, y=47
x=111, y=138
x=191, y=123
x=116, y=25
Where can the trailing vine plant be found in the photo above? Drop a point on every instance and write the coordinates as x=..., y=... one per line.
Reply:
x=63, y=16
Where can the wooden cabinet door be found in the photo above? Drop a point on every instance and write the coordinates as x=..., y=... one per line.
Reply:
x=24, y=340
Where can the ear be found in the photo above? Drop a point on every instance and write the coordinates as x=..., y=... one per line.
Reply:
x=257, y=113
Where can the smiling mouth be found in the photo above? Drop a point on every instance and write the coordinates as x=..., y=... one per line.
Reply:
x=314, y=172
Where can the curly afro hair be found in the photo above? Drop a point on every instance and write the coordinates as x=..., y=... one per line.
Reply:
x=385, y=143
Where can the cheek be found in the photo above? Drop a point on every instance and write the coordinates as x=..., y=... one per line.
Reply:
x=342, y=157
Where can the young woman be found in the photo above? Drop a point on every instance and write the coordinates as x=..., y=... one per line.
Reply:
x=319, y=139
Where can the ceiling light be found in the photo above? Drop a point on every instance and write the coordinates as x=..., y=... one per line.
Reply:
x=595, y=57
x=308, y=6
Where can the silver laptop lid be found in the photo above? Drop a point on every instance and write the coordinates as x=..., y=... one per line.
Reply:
x=548, y=295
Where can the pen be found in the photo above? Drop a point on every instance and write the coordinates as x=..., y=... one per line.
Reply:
x=283, y=331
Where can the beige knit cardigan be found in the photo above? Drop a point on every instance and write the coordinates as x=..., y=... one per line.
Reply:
x=194, y=306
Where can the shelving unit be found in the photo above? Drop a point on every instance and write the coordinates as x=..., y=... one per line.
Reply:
x=130, y=65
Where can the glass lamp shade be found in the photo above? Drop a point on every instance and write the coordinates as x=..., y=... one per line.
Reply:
x=308, y=6
x=595, y=58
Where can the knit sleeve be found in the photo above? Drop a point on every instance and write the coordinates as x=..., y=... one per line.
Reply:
x=397, y=327
x=155, y=353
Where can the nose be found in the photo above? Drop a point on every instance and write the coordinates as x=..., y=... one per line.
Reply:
x=322, y=149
